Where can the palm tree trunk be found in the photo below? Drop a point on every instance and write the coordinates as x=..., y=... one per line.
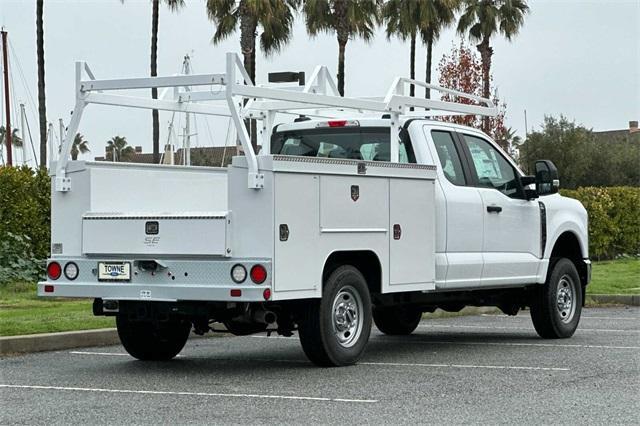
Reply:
x=412, y=66
x=248, y=26
x=42, y=106
x=342, y=31
x=342, y=45
x=427, y=91
x=155, y=16
x=486, y=51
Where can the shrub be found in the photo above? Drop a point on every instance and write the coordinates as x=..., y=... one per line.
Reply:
x=614, y=219
x=17, y=261
x=24, y=221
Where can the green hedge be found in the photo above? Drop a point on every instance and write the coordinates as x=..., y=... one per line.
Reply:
x=614, y=219
x=24, y=222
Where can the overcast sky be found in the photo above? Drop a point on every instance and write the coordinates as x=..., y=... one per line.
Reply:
x=577, y=58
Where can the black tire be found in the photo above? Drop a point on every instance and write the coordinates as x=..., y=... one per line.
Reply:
x=149, y=341
x=332, y=332
x=551, y=316
x=397, y=321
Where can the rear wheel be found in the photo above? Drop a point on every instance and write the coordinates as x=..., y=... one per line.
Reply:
x=335, y=329
x=556, y=306
x=398, y=320
x=152, y=341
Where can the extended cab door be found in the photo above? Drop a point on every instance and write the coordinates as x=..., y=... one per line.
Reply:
x=459, y=213
x=511, y=237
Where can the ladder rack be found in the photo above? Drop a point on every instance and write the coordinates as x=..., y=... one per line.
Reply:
x=232, y=88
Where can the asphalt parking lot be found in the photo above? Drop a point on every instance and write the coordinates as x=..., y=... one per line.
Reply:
x=474, y=369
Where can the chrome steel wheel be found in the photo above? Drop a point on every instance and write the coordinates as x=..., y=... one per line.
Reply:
x=347, y=316
x=566, y=298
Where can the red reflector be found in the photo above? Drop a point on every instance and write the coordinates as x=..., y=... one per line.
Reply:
x=236, y=292
x=54, y=270
x=266, y=294
x=337, y=123
x=48, y=288
x=258, y=274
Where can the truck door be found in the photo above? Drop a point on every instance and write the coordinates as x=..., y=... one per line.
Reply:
x=458, y=214
x=511, y=237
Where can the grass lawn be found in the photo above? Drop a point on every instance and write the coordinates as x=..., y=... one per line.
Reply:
x=615, y=277
x=22, y=312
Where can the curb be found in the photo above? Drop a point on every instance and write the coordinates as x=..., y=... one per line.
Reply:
x=615, y=299
x=57, y=341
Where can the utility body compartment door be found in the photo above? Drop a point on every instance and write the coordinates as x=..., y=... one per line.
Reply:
x=412, y=233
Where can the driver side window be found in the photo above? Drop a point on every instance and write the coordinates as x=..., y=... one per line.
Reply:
x=491, y=168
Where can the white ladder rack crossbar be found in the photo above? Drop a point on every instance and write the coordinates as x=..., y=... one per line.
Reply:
x=262, y=103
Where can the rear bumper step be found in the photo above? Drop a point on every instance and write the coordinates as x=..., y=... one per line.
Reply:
x=154, y=293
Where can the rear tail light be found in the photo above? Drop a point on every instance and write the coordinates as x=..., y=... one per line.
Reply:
x=54, y=270
x=71, y=271
x=266, y=294
x=258, y=274
x=339, y=123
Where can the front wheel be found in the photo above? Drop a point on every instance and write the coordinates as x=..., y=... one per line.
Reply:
x=556, y=306
x=397, y=321
x=152, y=341
x=335, y=329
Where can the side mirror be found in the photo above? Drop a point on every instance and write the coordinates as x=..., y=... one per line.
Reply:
x=547, y=181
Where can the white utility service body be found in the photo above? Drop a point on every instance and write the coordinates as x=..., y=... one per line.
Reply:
x=420, y=213
x=209, y=221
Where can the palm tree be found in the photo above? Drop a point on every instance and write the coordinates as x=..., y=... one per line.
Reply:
x=347, y=18
x=275, y=17
x=402, y=19
x=42, y=106
x=80, y=146
x=406, y=19
x=15, y=139
x=508, y=139
x=173, y=5
x=118, y=145
x=483, y=19
x=434, y=17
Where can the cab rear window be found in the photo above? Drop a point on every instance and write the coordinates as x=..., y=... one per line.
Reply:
x=371, y=144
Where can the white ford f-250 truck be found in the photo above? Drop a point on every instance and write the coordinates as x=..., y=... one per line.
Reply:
x=368, y=212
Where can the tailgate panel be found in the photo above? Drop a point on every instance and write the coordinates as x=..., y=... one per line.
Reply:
x=203, y=234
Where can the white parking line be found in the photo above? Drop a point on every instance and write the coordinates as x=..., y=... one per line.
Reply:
x=97, y=353
x=611, y=318
x=526, y=318
x=262, y=336
x=208, y=394
x=393, y=364
x=545, y=345
x=494, y=327
x=105, y=353
x=491, y=367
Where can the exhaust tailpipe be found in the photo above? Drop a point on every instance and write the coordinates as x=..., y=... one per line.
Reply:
x=265, y=317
